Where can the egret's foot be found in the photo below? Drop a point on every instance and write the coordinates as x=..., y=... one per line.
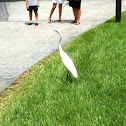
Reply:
x=68, y=77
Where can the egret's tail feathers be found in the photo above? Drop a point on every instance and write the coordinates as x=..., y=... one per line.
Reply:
x=75, y=75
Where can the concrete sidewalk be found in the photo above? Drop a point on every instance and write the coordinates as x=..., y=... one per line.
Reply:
x=22, y=46
x=3, y=12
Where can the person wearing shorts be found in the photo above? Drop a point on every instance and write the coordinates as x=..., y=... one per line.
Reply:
x=32, y=5
x=76, y=6
x=55, y=2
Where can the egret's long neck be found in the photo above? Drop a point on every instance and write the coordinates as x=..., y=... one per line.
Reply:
x=60, y=39
x=60, y=47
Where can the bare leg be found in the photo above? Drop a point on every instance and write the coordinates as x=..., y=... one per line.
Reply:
x=75, y=20
x=52, y=10
x=60, y=12
x=74, y=11
x=77, y=15
x=36, y=16
x=30, y=15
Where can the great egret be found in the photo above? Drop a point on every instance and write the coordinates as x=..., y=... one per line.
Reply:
x=68, y=63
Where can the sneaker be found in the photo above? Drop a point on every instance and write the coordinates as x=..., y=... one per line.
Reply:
x=30, y=23
x=36, y=23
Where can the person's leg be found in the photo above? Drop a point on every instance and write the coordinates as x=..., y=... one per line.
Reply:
x=36, y=16
x=74, y=14
x=60, y=12
x=30, y=16
x=75, y=20
x=77, y=15
x=52, y=10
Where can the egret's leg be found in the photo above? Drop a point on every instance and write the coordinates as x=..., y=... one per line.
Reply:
x=68, y=77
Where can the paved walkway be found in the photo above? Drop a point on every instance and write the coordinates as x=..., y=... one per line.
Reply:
x=3, y=12
x=22, y=46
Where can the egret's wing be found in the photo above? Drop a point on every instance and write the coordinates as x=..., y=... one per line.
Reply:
x=68, y=63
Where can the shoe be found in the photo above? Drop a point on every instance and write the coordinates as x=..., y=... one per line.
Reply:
x=36, y=23
x=77, y=23
x=49, y=20
x=30, y=23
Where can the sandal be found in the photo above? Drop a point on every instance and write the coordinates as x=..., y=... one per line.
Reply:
x=77, y=23
x=49, y=20
x=60, y=21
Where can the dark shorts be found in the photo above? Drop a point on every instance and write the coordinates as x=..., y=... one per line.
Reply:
x=75, y=3
x=35, y=8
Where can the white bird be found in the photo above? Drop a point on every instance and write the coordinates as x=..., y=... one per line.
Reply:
x=67, y=61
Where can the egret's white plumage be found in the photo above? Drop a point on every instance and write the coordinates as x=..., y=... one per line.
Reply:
x=68, y=63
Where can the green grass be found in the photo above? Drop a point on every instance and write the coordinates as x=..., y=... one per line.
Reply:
x=41, y=96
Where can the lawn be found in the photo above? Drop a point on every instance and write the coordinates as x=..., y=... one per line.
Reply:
x=42, y=96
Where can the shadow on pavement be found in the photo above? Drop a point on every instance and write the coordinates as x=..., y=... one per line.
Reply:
x=3, y=12
x=10, y=0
